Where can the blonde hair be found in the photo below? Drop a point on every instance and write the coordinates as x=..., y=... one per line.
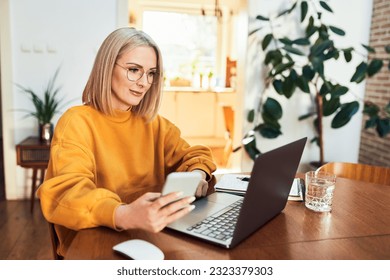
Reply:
x=97, y=92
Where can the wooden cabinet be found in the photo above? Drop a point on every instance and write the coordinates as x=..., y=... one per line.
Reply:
x=198, y=114
x=31, y=152
x=34, y=154
x=195, y=114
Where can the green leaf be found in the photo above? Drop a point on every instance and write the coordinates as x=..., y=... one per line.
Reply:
x=339, y=90
x=269, y=131
x=337, y=30
x=315, y=140
x=369, y=49
x=326, y=88
x=374, y=67
x=382, y=124
x=345, y=114
x=347, y=55
x=283, y=13
x=288, y=10
x=267, y=39
x=274, y=56
x=293, y=50
x=318, y=66
x=360, y=73
x=326, y=6
x=254, y=31
x=323, y=34
x=332, y=53
x=269, y=56
x=310, y=29
x=282, y=67
x=349, y=49
x=303, y=84
x=293, y=74
x=387, y=109
x=301, y=42
x=288, y=87
x=288, y=57
x=308, y=72
x=278, y=84
x=286, y=41
x=370, y=109
x=371, y=122
x=272, y=108
x=304, y=9
x=251, y=116
x=383, y=127
x=387, y=49
x=305, y=116
x=259, y=17
x=270, y=121
x=331, y=106
x=320, y=47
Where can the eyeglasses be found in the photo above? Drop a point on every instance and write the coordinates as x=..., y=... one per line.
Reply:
x=135, y=73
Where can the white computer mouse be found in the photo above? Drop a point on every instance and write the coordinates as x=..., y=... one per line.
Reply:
x=138, y=249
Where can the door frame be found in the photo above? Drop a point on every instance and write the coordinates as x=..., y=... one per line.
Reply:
x=8, y=127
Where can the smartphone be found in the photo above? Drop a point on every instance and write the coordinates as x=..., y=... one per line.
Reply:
x=186, y=182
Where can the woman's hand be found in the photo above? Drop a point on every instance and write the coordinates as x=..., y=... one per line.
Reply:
x=203, y=186
x=152, y=212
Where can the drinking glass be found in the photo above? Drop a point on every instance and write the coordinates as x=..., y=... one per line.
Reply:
x=319, y=190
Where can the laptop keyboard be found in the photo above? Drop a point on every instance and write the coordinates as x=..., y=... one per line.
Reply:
x=220, y=225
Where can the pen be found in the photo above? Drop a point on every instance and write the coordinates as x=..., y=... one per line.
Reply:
x=245, y=179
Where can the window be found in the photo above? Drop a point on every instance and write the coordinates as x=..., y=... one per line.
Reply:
x=188, y=43
x=195, y=44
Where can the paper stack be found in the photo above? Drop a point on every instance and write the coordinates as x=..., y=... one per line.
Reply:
x=238, y=184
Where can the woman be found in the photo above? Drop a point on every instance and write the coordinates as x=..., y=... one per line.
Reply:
x=109, y=157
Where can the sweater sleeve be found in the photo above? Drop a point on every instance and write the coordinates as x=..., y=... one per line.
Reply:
x=180, y=156
x=69, y=195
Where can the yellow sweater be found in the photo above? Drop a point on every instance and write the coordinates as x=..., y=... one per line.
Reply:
x=98, y=162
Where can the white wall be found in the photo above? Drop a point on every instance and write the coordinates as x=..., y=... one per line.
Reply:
x=354, y=17
x=38, y=36
x=42, y=36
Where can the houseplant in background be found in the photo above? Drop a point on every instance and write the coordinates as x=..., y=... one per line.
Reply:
x=297, y=65
x=45, y=107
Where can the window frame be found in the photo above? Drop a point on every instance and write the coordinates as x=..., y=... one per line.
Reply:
x=138, y=7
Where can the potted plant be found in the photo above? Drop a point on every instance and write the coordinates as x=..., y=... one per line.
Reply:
x=45, y=107
x=297, y=65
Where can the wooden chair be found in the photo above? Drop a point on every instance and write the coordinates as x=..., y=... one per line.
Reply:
x=357, y=171
x=228, y=115
x=54, y=242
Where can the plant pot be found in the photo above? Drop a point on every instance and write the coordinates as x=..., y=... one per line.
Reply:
x=46, y=132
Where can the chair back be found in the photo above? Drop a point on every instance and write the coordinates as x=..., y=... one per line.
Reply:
x=356, y=171
x=228, y=114
x=54, y=242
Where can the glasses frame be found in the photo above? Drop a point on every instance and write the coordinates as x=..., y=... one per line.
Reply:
x=143, y=73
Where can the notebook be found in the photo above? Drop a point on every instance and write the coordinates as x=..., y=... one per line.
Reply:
x=238, y=184
x=227, y=219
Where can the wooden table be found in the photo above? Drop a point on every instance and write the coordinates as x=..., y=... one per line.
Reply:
x=357, y=228
x=33, y=153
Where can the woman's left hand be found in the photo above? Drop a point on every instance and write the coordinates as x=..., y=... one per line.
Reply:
x=203, y=186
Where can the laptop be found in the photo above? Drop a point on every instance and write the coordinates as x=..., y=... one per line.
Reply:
x=227, y=219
